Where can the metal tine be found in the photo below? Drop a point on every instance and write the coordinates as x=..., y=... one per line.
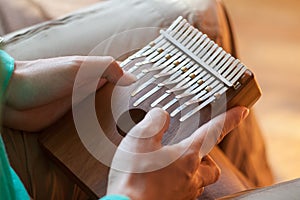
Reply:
x=231, y=68
x=192, y=38
x=139, y=54
x=187, y=37
x=158, y=60
x=176, y=70
x=154, y=47
x=178, y=110
x=190, y=86
x=177, y=54
x=158, y=41
x=170, y=71
x=144, y=97
x=205, y=50
x=210, y=52
x=179, y=73
x=202, y=105
x=160, y=67
x=169, y=66
x=190, y=91
x=222, y=61
x=160, y=64
x=201, y=96
x=180, y=38
x=157, y=101
x=179, y=26
x=178, y=32
x=175, y=23
x=195, y=99
x=199, y=42
x=181, y=86
x=144, y=85
x=148, y=94
x=214, y=55
x=179, y=35
x=202, y=45
x=153, y=79
x=160, y=50
x=238, y=76
x=183, y=34
x=213, y=91
x=195, y=36
x=197, y=109
x=169, y=104
x=177, y=87
x=215, y=62
x=221, y=91
x=149, y=46
x=196, y=59
x=235, y=71
x=171, y=49
x=225, y=66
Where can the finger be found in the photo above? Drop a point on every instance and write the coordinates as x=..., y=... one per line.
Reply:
x=154, y=124
x=106, y=67
x=208, y=135
x=148, y=133
x=208, y=171
x=115, y=74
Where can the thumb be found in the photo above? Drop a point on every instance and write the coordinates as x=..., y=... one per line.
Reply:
x=146, y=136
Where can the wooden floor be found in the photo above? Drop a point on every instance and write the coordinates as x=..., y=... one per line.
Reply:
x=268, y=39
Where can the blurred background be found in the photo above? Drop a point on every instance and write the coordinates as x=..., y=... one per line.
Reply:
x=268, y=39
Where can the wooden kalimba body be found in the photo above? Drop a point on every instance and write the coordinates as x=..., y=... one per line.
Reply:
x=182, y=71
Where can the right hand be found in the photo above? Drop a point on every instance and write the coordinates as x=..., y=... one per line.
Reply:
x=183, y=179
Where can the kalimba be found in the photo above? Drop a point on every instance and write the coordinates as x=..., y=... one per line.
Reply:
x=181, y=71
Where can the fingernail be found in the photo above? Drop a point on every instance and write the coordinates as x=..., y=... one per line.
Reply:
x=128, y=79
x=245, y=113
x=131, y=77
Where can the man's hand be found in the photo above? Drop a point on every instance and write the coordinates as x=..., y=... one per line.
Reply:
x=182, y=179
x=40, y=91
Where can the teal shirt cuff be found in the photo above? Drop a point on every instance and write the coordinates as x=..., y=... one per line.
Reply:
x=11, y=187
x=7, y=64
x=115, y=197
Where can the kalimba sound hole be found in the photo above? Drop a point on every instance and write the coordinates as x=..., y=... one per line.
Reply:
x=129, y=119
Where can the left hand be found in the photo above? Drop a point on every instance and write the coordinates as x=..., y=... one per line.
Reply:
x=40, y=91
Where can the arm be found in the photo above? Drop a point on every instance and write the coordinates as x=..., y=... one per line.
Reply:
x=40, y=91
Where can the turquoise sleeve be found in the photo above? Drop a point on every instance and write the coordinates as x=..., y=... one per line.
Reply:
x=115, y=197
x=11, y=186
x=7, y=64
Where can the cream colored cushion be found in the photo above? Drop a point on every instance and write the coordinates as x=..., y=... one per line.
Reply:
x=82, y=31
